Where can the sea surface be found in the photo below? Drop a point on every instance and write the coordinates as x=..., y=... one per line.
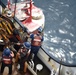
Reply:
x=60, y=29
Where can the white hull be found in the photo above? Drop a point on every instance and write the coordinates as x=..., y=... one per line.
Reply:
x=54, y=66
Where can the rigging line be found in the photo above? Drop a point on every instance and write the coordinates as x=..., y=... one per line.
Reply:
x=60, y=66
x=15, y=8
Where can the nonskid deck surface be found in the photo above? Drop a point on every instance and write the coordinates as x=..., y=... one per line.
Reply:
x=15, y=72
x=44, y=71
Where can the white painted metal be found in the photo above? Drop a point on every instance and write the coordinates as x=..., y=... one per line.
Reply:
x=54, y=66
x=0, y=9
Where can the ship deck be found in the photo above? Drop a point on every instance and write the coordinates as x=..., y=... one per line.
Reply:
x=44, y=71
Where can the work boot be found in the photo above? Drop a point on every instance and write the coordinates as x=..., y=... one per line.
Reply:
x=1, y=73
x=9, y=74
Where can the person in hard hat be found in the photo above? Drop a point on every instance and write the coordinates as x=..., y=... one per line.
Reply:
x=7, y=56
x=22, y=56
x=36, y=41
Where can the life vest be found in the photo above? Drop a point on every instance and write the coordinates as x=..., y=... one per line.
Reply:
x=7, y=60
x=37, y=40
x=23, y=52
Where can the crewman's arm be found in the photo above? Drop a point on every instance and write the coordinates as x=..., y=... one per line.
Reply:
x=28, y=53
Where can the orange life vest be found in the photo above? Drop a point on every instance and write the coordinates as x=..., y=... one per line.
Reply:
x=37, y=40
x=7, y=60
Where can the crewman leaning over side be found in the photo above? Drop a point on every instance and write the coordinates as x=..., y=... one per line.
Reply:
x=22, y=56
x=36, y=41
x=7, y=56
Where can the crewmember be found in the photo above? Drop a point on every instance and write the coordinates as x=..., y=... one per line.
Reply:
x=7, y=56
x=22, y=56
x=36, y=41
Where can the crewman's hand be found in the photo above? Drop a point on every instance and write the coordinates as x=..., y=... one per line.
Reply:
x=12, y=54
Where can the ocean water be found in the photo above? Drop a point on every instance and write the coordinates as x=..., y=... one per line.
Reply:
x=60, y=29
